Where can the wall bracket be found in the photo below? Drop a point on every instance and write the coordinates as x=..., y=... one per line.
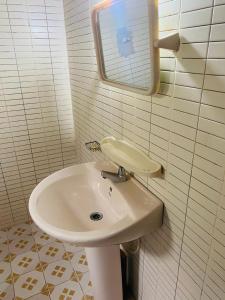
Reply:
x=171, y=42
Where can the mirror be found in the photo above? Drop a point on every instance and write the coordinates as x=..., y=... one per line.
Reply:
x=125, y=31
x=127, y=44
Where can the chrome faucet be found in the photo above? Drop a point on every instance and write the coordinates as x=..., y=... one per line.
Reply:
x=120, y=176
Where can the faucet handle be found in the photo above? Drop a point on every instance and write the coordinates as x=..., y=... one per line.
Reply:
x=120, y=176
x=121, y=172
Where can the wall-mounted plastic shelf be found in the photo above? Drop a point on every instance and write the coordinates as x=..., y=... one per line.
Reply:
x=128, y=156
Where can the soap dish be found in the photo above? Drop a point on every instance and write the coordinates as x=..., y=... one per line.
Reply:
x=131, y=158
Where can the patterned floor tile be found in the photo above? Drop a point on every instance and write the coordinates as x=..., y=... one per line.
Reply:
x=19, y=231
x=52, y=252
x=29, y=285
x=86, y=285
x=67, y=291
x=43, y=238
x=39, y=297
x=77, y=276
x=5, y=271
x=3, y=237
x=29, y=258
x=12, y=278
x=88, y=297
x=58, y=272
x=4, y=251
x=25, y=262
x=68, y=256
x=6, y=291
x=34, y=228
x=9, y=257
x=79, y=262
x=21, y=245
x=71, y=247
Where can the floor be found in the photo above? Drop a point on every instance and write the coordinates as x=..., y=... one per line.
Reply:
x=35, y=266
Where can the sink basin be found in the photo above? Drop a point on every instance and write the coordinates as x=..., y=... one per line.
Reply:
x=62, y=204
x=77, y=205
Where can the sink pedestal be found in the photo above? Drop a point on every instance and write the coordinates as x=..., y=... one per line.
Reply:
x=105, y=271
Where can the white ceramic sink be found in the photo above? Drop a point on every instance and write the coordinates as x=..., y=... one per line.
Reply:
x=62, y=203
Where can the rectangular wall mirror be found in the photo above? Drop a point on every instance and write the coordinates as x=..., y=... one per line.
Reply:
x=124, y=32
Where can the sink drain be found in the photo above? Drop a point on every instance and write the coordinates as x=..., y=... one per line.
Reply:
x=96, y=216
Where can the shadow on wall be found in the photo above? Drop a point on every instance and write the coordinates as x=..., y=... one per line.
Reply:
x=152, y=239
x=168, y=77
x=152, y=252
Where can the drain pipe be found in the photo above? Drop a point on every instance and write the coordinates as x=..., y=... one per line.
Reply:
x=127, y=250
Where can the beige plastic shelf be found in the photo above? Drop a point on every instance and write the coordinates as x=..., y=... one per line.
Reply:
x=128, y=156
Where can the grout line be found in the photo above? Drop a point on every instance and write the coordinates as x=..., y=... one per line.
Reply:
x=53, y=78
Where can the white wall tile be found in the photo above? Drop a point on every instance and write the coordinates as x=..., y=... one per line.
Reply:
x=195, y=50
x=191, y=80
x=216, y=50
x=213, y=113
x=218, y=14
x=213, y=98
x=217, y=31
x=187, y=5
x=215, y=67
x=219, y=2
x=215, y=83
x=191, y=65
x=196, y=17
x=33, y=121
x=188, y=93
x=195, y=34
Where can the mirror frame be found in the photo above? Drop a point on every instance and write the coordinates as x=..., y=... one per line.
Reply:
x=153, y=23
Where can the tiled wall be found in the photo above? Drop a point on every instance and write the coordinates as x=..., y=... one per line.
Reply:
x=183, y=127
x=36, y=122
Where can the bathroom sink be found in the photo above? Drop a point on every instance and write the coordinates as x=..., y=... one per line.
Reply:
x=77, y=205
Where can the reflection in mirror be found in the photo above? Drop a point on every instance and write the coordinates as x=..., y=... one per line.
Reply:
x=125, y=38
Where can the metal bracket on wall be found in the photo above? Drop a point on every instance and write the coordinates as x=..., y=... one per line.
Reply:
x=93, y=146
x=170, y=42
